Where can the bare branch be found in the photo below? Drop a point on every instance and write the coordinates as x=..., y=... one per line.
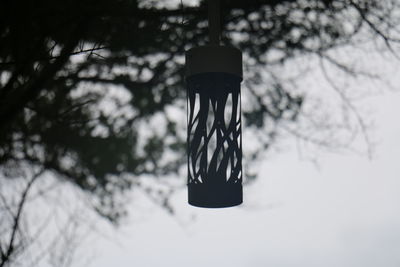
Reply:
x=387, y=39
x=16, y=220
x=90, y=51
x=350, y=105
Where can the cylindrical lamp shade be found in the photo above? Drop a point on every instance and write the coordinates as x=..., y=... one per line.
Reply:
x=214, y=126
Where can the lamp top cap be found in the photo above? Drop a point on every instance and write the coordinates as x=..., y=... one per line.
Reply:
x=214, y=58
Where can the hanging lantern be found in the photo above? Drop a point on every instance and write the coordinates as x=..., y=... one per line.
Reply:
x=213, y=77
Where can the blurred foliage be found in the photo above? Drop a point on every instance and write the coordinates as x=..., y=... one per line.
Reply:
x=93, y=91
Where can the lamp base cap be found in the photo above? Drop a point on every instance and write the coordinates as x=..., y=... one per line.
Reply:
x=215, y=196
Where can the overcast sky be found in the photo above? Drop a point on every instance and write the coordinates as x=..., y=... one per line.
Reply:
x=344, y=213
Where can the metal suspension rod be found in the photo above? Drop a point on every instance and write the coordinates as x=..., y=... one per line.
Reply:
x=214, y=21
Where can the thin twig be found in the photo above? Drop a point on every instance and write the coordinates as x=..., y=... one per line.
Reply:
x=80, y=51
x=5, y=257
x=348, y=103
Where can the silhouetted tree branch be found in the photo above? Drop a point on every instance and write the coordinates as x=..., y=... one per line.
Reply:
x=7, y=249
x=93, y=92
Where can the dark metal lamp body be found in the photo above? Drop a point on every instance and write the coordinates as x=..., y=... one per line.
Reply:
x=213, y=77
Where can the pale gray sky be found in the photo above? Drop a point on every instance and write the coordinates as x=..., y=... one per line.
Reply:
x=346, y=213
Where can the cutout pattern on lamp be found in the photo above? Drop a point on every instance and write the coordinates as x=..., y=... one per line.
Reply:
x=214, y=140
